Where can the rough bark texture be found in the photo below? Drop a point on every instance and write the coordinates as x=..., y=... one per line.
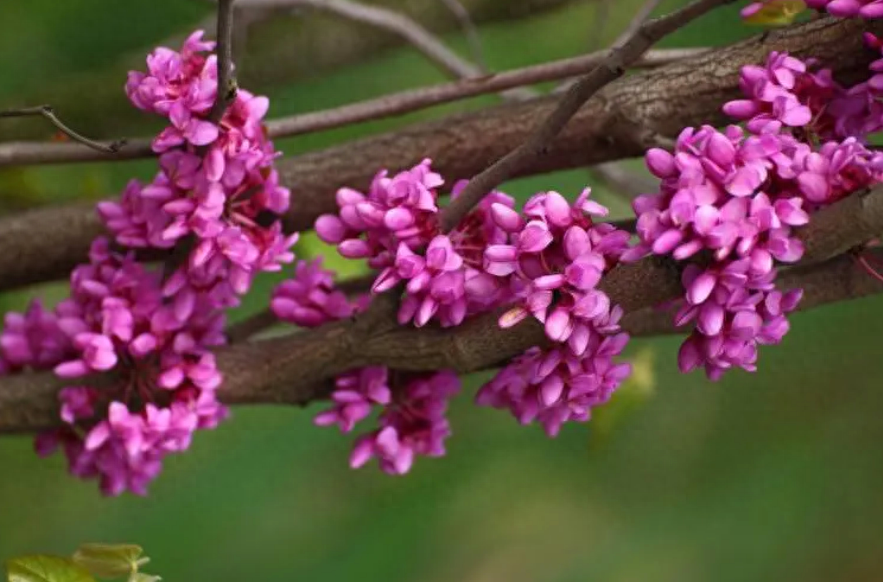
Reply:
x=50, y=241
x=298, y=368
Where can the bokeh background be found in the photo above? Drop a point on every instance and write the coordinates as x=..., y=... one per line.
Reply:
x=769, y=476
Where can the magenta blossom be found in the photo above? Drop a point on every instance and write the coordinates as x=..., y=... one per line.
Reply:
x=413, y=425
x=354, y=396
x=554, y=261
x=115, y=320
x=310, y=299
x=556, y=386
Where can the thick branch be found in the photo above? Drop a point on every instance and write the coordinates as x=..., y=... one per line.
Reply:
x=297, y=368
x=661, y=101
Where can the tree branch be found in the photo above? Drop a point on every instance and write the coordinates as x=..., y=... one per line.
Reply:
x=20, y=153
x=613, y=67
x=297, y=369
x=43, y=244
x=47, y=112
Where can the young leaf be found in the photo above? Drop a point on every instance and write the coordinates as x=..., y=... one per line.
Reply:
x=40, y=568
x=110, y=560
x=777, y=13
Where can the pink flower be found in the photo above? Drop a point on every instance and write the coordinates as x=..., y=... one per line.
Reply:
x=116, y=321
x=414, y=425
x=734, y=310
x=555, y=260
x=354, y=395
x=310, y=299
x=849, y=8
x=400, y=209
x=557, y=386
x=33, y=340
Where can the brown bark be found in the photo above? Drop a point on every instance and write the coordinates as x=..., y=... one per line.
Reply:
x=49, y=242
x=298, y=368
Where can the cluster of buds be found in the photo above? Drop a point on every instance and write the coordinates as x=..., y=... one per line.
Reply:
x=134, y=345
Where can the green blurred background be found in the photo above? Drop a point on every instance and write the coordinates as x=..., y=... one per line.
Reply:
x=770, y=476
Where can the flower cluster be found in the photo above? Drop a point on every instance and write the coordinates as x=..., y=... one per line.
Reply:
x=553, y=261
x=134, y=344
x=413, y=420
x=215, y=186
x=396, y=227
x=309, y=299
x=741, y=196
x=32, y=339
x=547, y=263
x=802, y=97
x=413, y=424
x=555, y=386
x=115, y=321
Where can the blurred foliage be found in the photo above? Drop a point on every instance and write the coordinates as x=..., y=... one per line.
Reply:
x=40, y=568
x=770, y=476
x=109, y=561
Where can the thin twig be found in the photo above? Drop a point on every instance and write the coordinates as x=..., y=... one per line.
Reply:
x=226, y=77
x=19, y=153
x=394, y=22
x=470, y=31
x=47, y=112
x=602, y=16
x=409, y=29
x=636, y=22
x=611, y=68
x=224, y=97
x=642, y=15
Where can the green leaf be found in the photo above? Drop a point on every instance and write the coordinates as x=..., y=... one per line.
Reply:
x=110, y=560
x=42, y=568
x=142, y=577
